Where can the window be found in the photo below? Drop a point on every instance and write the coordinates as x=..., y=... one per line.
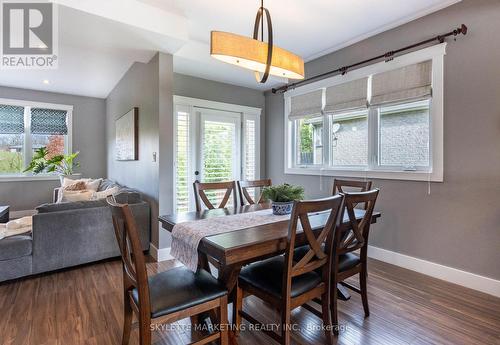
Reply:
x=28, y=126
x=404, y=135
x=383, y=120
x=349, y=140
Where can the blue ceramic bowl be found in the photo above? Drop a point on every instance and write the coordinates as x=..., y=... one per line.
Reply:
x=282, y=208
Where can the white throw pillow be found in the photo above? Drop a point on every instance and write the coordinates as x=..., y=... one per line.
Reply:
x=92, y=185
x=72, y=196
x=105, y=193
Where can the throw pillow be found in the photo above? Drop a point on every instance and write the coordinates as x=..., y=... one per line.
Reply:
x=90, y=184
x=72, y=196
x=105, y=193
x=76, y=186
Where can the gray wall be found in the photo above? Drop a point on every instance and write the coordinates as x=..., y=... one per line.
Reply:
x=457, y=225
x=88, y=138
x=139, y=87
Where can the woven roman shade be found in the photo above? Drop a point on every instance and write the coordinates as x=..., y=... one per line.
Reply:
x=412, y=82
x=48, y=121
x=347, y=96
x=306, y=105
x=11, y=119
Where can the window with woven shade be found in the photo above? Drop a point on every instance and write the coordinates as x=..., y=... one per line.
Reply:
x=27, y=126
x=383, y=120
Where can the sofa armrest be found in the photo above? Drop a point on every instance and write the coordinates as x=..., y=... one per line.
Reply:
x=73, y=237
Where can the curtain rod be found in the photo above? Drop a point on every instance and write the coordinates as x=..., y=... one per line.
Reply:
x=387, y=56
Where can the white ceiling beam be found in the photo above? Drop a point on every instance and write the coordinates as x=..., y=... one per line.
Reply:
x=135, y=13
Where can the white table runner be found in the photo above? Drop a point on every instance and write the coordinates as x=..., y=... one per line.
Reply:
x=187, y=236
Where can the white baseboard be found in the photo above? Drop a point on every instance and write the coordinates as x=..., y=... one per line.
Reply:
x=159, y=255
x=449, y=274
x=20, y=214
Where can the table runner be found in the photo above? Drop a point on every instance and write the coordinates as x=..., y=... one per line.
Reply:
x=187, y=236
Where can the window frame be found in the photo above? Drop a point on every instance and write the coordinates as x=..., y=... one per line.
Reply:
x=192, y=106
x=434, y=173
x=27, y=144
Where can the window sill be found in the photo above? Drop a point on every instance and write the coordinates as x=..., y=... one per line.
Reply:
x=25, y=178
x=378, y=174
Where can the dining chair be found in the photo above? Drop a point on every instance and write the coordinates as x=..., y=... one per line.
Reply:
x=346, y=241
x=199, y=193
x=358, y=186
x=245, y=195
x=167, y=296
x=285, y=284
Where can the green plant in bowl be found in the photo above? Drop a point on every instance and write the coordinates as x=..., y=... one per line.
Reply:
x=282, y=197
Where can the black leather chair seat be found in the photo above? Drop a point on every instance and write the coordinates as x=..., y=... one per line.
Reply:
x=267, y=275
x=346, y=261
x=180, y=288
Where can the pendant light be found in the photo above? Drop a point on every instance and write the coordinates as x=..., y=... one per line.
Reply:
x=259, y=56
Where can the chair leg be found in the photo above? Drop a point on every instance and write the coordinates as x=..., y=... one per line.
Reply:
x=237, y=307
x=128, y=314
x=144, y=331
x=223, y=324
x=333, y=308
x=364, y=293
x=285, y=325
x=327, y=320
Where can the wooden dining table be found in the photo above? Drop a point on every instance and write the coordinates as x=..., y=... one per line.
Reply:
x=235, y=249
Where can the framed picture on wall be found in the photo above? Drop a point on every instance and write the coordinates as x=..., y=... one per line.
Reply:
x=127, y=136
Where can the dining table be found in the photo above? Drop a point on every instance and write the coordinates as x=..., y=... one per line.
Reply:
x=235, y=249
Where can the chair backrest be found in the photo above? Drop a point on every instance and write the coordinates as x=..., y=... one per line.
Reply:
x=243, y=190
x=354, y=236
x=199, y=193
x=359, y=186
x=134, y=264
x=316, y=257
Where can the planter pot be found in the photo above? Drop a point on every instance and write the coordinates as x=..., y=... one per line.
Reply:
x=73, y=177
x=282, y=208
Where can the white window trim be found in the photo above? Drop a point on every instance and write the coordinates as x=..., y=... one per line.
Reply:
x=436, y=54
x=67, y=145
x=189, y=105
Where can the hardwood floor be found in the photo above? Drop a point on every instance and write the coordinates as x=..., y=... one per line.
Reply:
x=83, y=306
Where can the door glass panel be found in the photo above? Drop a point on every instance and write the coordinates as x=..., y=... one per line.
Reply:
x=219, y=150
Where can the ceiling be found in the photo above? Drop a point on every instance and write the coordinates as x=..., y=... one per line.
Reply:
x=99, y=40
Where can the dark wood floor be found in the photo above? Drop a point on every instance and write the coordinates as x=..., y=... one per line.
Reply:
x=83, y=306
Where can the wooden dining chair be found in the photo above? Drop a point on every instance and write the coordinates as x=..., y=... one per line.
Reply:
x=245, y=195
x=352, y=185
x=286, y=284
x=346, y=241
x=200, y=195
x=165, y=297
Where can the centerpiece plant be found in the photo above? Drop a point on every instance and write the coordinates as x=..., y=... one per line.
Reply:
x=282, y=197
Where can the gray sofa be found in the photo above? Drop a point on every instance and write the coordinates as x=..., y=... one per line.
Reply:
x=70, y=234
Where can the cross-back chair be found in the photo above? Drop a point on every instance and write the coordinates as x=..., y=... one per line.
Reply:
x=358, y=186
x=348, y=239
x=243, y=187
x=165, y=297
x=200, y=195
x=286, y=284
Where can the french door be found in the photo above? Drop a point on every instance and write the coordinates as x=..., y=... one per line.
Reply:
x=212, y=145
x=220, y=146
